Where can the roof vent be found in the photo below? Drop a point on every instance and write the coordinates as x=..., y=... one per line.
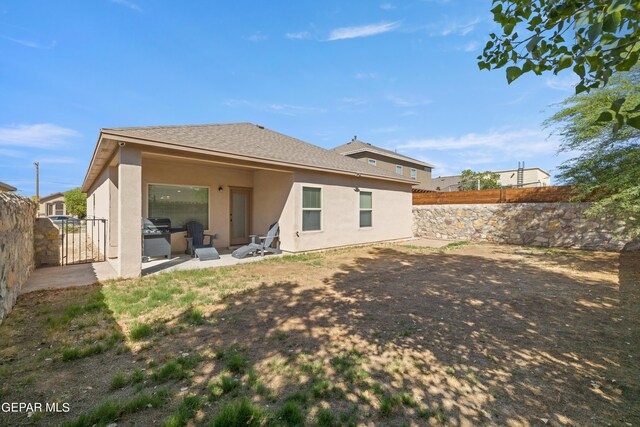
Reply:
x=355, y=138
x=260, y=126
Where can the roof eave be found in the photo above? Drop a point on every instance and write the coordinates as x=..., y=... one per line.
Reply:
x=107, y=134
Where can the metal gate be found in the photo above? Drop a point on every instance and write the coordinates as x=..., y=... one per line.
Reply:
x=83, y=240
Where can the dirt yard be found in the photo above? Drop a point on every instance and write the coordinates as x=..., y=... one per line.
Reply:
x=386, y=335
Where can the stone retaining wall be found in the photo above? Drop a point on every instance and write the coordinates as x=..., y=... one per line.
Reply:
x=535, y=224
x=46, y=242
x=17, y=215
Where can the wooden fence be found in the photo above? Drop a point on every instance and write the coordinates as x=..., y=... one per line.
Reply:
x=504, y=195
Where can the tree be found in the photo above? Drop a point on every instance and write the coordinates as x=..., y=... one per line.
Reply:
x=488, y=180
x=76, y=202
x=596, y=38
x=607, y=167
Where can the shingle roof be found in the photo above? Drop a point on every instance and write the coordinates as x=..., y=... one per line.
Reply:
x=359, y=146
x=254, y=142
x=7, y=187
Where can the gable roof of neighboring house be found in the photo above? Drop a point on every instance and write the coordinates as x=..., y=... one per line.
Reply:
x=51, y=196
x=357, y=146
x=7, y=187
x=244, y=141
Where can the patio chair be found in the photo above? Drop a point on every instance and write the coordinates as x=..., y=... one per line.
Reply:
x=196, y=245
x=269, y=243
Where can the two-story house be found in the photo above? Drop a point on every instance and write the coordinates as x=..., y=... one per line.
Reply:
x=390, y=161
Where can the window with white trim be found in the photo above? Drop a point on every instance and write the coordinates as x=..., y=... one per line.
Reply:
x=414, y=174
x=311, y=209
x=366, y=209
x=373, y=162
x=399, y=169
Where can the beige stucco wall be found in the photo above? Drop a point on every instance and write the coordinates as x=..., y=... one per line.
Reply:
x=388, y=164
x=530, y=178
x=340, y=212
x=102, y=202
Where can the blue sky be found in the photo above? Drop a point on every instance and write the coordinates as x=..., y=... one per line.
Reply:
x=401, y=75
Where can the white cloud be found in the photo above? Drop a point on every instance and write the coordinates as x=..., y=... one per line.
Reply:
x=471, y=46
x=492, y=146
x=36, y=136
x=257, y=37
x=362, y=31
x=276, y=108
x=404, y=102
x=302, y=35
x=126, y=3
x=387, y=6
x=354, y=101
x=59, y=160
x=31, y=43
x=566, y=83
x=363, y=76
x=450, y=28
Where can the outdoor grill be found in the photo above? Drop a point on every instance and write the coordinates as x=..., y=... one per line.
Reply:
x=156, y=238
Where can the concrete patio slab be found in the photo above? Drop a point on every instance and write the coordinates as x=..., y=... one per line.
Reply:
x=185, y=262
x=68, y=276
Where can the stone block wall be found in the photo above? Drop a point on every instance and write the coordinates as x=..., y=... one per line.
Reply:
x=46, y=242
x=534, y=224
x=17, y=216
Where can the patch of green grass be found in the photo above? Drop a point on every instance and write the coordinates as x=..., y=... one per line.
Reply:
x=171, y=370
x=387, y=405
x=103, y=414
x=184, y=412
x=450, y=370
x=407, y=399
x=110, y=410
x=118, y=381
x=321, y=389
x=349, y=366
x=291, y=414
x=240, y=414
x=194, y=317
x=74, y=353
x=236, y=362
x=258, y=386
x=428, y=413
x=325, y=418
x=224, y=385
x=140, y=331
x=300, y=397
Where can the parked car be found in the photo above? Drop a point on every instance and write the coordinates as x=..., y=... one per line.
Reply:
x=58, y=219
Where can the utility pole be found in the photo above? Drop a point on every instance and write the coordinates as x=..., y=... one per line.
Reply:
x=37, y=164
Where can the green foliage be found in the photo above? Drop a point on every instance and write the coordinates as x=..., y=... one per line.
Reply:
x=140, y=331
x=607, y=167
x=488, y=180
x=240, y=414
x=596, y=39
x=76, y=202
x=184, y=412
x=291, y=414
x=326, y=418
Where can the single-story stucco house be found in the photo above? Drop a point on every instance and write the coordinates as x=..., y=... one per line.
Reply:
x=53, y=204
x=237, y=179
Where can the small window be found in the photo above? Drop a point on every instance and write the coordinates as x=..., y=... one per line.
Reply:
x=414, y=174
x=311, y=209
x=366, y=209
x=372, y=162
x=399, y=169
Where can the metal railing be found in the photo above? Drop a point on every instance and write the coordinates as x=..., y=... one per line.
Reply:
x=83, y=240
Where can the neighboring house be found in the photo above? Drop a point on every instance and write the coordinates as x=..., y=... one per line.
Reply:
x=388, y=160
x=6, y=188
x=53, y=204
x=237, y=179
x=531, y=177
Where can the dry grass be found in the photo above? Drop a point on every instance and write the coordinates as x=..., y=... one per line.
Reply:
x=387, y=335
